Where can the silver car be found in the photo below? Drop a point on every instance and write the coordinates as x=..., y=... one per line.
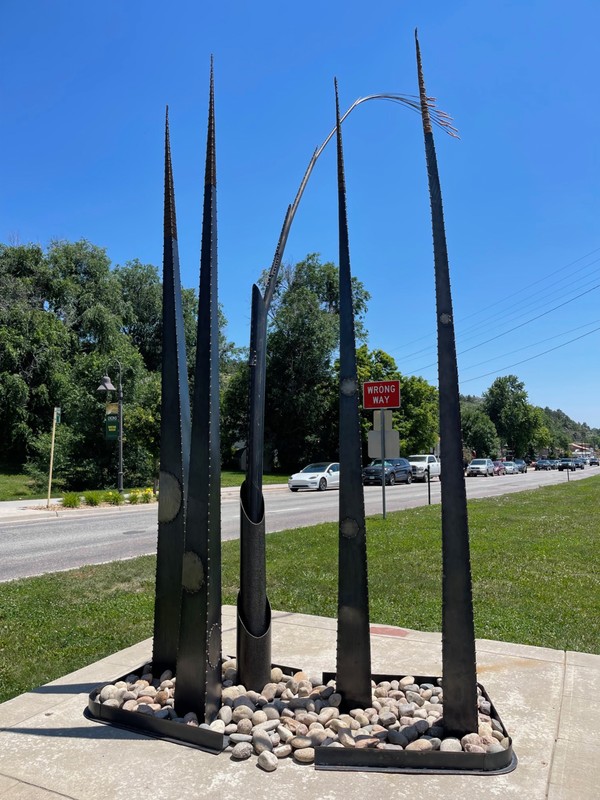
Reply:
x=481, y=466
x=320, y=476
x=511, y=468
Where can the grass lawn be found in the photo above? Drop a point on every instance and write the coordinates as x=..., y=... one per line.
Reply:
x=18, y=486
x=535, y=565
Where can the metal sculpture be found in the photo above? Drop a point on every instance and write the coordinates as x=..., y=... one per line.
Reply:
x=458, y=633
x=199, y=655
x=353, y=634
x=253, y=607
x=174, y=442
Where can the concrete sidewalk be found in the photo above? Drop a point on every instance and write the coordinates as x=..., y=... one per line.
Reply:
x=545, y=698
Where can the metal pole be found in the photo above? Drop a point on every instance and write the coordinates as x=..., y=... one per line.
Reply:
x=381, y=419
x=428, y=484
x=51, y=457
x=120, y=475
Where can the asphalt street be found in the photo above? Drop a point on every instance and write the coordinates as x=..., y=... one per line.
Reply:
x=34, y=540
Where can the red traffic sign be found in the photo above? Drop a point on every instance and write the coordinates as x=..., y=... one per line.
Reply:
x=381, y=394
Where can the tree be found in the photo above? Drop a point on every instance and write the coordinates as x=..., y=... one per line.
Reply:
x=478, y=432
x=505, y=402
x=301, y=392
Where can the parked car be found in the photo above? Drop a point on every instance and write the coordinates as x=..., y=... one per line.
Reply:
x=320, y=476
x=397, y=470
x=481, y=466
x=499, y=468
x=511, y=468
x=521, y=465
x=579, y=463
x=543, y=463
x=594, y=461
x=566, y=463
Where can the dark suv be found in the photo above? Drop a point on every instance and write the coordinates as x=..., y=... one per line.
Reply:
x=397, y=470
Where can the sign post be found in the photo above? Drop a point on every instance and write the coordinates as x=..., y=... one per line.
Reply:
x=381, y=396
x=55, y=420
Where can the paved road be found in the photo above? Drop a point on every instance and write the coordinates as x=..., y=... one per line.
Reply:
x=34, y=542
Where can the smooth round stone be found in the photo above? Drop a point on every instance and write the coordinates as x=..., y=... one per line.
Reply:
x=282, y=751
x=236, y=738
x=269, y=691
x=112, y=702
x=267, y=725
x=244, y=726
x=327, y=714
x=276, y=674
x=451, y=745
x=421, y=725
x=258, y=717
x=299, y=742
x=217, y=725
x=305, y=755
x=494, y=747
x=335, y=699
x=386, y=718
x=226, y=714
x=397, y=737
x=108, y=692
x=268, y=761
x=435, y=741
x=241, y=751
x=422, y=745
x=230, y=674
x=229, y=729
x=242, y=712
x=366, y=742
x=414, y=697
x=285, y=734
x=471, y=738
x=485, y=706
x=474, y=748
x=144, y=708
x=271, y=711
x=408, y=680
x=317, y=737
x=420, y=713
x=163, y=713
x=406, y=709
x=130, y=705
x=389, y=746
x=261, y=741
x=244, y=700
x=410, y=732
x=230, y=693
x=346, y=738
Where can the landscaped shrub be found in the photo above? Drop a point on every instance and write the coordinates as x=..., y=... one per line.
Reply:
x=71, y=500
x=147, y=496
x=134, y=496
x=92, y=498
x=113, y=498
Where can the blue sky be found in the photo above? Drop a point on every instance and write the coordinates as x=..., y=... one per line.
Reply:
x=84, y=88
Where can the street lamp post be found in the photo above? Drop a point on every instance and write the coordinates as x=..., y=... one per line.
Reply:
x=107, y=386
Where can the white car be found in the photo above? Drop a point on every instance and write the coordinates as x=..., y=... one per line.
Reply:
x=320, y=476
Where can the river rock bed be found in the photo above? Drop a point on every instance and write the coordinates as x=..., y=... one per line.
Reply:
x=295, y=713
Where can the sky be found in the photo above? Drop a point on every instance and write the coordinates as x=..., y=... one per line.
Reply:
x=84, y=88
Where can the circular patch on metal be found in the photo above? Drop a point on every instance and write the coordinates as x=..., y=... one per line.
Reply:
x=349, y=528
x=192, y=573
x=445, y=319
x=348, y=387
x=214, y=646
x=169, y=497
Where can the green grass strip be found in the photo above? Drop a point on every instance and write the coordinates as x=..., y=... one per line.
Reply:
x=535, y=565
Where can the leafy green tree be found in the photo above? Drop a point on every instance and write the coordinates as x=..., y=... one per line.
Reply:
x=478, y=432
x=505, y=402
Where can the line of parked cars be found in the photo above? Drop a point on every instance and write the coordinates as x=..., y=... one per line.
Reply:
x=489, y=468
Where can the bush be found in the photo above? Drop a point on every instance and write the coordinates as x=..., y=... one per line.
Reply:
x=134, y=496
x=92, y=498
x=71, y=500
x=147, y=496
x=113, y=498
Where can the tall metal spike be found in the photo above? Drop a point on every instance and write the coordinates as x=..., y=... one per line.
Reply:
x=198, y=662
x=174, y=441
x=458, y=633
x=353, y=636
